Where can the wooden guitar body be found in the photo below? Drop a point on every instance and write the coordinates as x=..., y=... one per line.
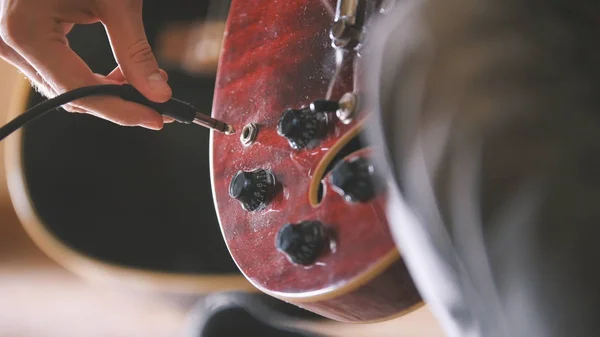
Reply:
x=278, y=55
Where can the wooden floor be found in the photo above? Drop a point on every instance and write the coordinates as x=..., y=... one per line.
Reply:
x=43, y=302
x=38, y=298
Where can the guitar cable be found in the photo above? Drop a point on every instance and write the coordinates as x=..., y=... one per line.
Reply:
x=178, y=110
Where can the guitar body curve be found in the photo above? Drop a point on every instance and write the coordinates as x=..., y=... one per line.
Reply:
x=278, y=55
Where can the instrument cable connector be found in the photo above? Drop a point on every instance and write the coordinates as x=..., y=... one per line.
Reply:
x=178, y=110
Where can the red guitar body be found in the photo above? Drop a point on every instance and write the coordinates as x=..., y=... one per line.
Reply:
x=277, y=54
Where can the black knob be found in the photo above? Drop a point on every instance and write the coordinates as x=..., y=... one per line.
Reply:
x=253, y=189
x=355, y=180
x=302, y=128
x=302, y=243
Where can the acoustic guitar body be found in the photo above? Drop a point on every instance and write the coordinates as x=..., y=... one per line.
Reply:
x=290, y=226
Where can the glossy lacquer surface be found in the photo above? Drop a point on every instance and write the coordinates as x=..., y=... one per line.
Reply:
x=276, y=55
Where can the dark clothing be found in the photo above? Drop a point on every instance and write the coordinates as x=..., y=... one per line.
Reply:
x=488, y=130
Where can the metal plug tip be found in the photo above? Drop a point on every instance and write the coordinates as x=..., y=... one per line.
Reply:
x=229, y=130
x=213, y=124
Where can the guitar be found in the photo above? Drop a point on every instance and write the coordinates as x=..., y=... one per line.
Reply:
x=297, y=197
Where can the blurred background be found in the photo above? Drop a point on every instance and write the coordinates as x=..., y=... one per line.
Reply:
x=130, y=252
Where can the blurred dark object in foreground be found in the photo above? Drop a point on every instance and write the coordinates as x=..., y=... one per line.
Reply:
x=488, y=127
x=242, y=314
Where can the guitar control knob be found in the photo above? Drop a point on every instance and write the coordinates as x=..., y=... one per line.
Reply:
x=253, y=189
x=354, y=180
x=302, y=128
x=303, y=242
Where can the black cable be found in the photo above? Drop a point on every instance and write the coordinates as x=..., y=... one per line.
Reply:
x=176, y=109
x=56, y=102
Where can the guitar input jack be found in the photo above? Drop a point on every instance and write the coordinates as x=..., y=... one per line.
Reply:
x=248, y=134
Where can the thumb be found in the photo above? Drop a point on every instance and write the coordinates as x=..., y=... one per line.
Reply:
x=125, y=29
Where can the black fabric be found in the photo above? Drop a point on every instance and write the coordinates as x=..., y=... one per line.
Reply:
x=487, y=130
x=246, y=314
x=237, y=321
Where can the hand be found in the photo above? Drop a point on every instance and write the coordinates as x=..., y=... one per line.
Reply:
x=34, y=40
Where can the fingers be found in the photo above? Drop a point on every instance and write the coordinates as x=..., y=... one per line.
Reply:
x=37, y=82
x=123, y=22
x=35, y=42
x=140, y=116
x=117, y=76
x=61, y=69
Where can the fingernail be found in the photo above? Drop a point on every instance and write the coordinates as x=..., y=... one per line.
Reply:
x=158, y=84
x=151, y=125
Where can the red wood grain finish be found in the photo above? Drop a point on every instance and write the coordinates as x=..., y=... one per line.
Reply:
x=276, y=55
